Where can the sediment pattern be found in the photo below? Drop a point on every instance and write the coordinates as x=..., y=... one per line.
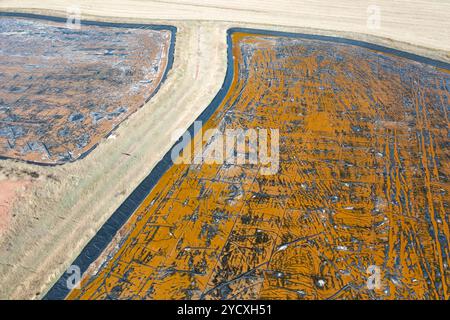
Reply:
x=64, y=89
x=363, y=181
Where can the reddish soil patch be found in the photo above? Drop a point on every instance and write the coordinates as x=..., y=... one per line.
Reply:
x=9, y=192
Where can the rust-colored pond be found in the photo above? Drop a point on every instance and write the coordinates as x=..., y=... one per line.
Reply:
x=361, y=190
x=64, y=88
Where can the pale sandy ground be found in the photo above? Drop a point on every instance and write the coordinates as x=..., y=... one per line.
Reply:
x=62, y=209
x=420, y=22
